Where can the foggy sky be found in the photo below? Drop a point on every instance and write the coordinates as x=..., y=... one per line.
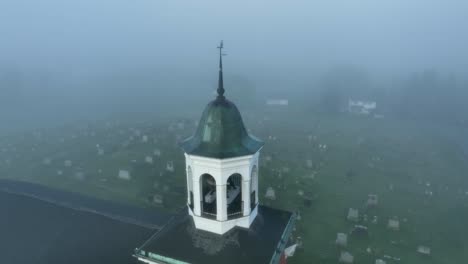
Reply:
x=89, y=35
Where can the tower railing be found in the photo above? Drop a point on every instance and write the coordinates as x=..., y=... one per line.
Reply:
x=238, y=213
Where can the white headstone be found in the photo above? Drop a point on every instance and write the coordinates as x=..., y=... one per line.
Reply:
x=144, y=139
x=157, y=199
x=157, y=153
x=270, y=194
x=353, y=214
x=341, y=239
x=379, y=261
x=170, y=166
x=346, y=257
x=68, y=163
x=47, y=161
x=149, y=159
x=124, y=175
x=393, y=224
x=59, y=172
x=100, y=151
x=424, y=250
x=79, y=175
x=309, y=163
x=372, y=200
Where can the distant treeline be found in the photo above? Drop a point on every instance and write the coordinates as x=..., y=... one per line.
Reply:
x=423, y=95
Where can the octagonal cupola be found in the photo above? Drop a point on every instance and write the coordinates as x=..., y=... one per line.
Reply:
x=222, y=167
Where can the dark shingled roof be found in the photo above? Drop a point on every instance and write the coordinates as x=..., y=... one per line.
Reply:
x=221, y=133
x=181, y=241
x=34, y=231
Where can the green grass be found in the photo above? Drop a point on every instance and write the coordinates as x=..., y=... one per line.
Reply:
x=379, y=152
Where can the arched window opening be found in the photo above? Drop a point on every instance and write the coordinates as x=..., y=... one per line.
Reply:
x=208, y=196
x=234, y=196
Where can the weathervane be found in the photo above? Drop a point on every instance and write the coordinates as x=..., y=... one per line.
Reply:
x=220, y=80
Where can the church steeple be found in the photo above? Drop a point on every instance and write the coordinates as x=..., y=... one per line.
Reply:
x=220, y=89
x=222, y=163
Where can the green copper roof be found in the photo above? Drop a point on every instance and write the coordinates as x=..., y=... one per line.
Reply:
x=221, y=133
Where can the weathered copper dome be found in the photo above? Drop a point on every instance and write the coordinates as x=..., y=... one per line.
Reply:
x=221, y=133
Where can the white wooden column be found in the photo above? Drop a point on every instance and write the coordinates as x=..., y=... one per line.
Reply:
x=221, y=203
x=189, y=180
x=246, y=197
x=196, y=196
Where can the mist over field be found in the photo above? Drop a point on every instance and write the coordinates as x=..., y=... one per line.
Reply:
x=62, y=60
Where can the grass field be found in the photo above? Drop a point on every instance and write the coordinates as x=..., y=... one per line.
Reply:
x=418, y=171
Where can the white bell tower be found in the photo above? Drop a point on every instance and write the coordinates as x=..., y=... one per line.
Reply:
x=222, y=193
x=222, y=167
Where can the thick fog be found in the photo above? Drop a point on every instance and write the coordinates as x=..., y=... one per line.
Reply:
x=61, y=60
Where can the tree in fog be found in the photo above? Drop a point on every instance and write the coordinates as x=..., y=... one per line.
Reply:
x=10, y=86
x=340, y=84
x=241, y=90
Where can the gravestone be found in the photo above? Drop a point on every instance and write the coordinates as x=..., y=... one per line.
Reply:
x=341, y=239
x=353, y=215
x=124, y=175
x=270, y=194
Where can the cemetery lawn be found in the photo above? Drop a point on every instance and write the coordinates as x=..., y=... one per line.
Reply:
x=417, y=171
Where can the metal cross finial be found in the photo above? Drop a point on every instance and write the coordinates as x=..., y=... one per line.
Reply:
x=220, y=89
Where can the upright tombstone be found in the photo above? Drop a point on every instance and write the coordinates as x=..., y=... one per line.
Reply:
x=124, y=175
x=100, y=151
x=157, y=152
x=170, y=166
x=149, y=159
x=393, y=224
x=424, y=250
x=353, y=215
x=46, y=161
x=372, y=200
x=341, y=239
x=270, y=194
x=346, y=257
